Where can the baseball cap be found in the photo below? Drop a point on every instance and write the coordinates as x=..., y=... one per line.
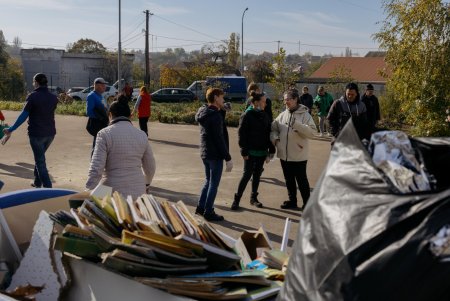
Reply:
x=100, y=80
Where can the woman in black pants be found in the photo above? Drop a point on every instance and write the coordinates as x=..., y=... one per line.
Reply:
x=290, y=134
x=256, y=148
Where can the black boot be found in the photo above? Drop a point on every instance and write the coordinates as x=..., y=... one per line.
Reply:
x=199, y=211
x=237, y=199
x=254, y=200
x=291, y=204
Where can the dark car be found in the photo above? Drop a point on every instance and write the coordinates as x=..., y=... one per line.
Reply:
x=173, y=95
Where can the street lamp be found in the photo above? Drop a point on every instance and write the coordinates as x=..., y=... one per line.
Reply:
x=242, y=41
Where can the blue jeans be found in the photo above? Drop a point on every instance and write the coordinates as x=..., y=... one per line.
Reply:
x=213, y=173
x=39, y=145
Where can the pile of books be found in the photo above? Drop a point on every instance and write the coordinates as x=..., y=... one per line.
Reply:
x=156, y=242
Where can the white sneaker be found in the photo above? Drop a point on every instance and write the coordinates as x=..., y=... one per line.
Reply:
x=321, y=135
x=329, y=135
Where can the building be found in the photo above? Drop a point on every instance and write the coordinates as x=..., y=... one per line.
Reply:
x=362, y=70
x=67, y=70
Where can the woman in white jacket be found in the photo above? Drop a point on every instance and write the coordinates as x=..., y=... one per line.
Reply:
x=290, y=134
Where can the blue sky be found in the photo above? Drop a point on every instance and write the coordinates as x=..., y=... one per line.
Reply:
x=321, y=26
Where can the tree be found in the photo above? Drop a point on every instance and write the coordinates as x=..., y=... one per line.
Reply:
x=416, y=36
x=259, y=71
x=3, y=45
x=339, y=77
x=283, y=77
x=233, y=50
x=86, y=46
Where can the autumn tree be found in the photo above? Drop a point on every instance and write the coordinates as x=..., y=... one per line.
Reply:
x=339, y=77
x=86, y=46
x=283, y=77
x=12, y=84
x=416, y=37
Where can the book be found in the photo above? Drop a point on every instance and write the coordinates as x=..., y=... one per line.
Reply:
x=132, y=268
x=122, y=211
x=77, y=246
x=217, y=258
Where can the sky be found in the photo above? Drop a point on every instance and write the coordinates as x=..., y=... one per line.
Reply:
x=299, y=26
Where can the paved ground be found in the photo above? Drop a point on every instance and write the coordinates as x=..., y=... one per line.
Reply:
x=179, y=172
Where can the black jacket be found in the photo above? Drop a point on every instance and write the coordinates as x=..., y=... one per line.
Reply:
x=341, y=111
x=373, y=109
x=307, y=100
x=213, y=144
x=254, y=132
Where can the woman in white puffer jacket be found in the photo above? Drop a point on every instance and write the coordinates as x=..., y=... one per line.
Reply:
x=290, y=134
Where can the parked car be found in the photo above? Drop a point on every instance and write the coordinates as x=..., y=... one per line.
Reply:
x=173, y=95
x=55, y=90
x=82, y=95
x=75, y=89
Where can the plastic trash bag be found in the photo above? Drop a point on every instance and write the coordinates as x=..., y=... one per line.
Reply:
x=359, y=240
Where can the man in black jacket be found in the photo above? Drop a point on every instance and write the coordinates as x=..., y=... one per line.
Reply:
x=213, y=150
x=372, y=106
x=306, y=99
x=346, y=107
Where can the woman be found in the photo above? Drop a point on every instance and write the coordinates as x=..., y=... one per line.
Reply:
x=290, y=134
x=254, y=140
x=122, y=158
x=143, y=108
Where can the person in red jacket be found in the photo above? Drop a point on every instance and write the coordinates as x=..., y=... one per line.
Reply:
x=143, y=108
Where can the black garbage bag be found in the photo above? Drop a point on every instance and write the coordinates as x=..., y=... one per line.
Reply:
x=359, y=240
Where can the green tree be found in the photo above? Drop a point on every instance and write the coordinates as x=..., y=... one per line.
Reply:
x=233, y=50
x=259, y=71
x=339, y=78
x=283, y=77
x=86, y=46
x=416, y=36
x=3, y=45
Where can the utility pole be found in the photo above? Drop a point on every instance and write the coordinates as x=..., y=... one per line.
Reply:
x=119, y=53
x=279, y=46
x=147, y=53
x=299, y=48
x=242, y=42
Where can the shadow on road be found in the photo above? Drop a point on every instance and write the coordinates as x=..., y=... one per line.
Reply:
x=179, y=144
x=21, y=170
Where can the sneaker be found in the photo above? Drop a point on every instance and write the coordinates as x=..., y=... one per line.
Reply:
x=212, y=216
x=289, y=205
x=329, y=135
x=256, y=203
x=199, y=211
x=34, y=185
x=321, y=135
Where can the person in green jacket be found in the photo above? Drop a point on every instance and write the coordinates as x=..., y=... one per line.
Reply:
x=323, y=102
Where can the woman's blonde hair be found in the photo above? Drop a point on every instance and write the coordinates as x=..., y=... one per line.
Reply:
x=143, y=90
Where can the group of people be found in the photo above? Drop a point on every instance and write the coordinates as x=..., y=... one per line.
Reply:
x=259, y=138
x=364, y=109
x=122, y=158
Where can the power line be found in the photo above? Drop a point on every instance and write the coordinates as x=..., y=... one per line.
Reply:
x=187, y=27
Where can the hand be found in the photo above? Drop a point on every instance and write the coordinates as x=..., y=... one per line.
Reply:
x=267, y=159
x=245, y=157
x=6, y=131
x=229, y=166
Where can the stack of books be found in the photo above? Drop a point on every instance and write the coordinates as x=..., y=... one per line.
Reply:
x=143, y=237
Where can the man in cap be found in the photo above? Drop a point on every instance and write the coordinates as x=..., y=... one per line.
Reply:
x=372, y=106
x=39, y=108
x=96, y=109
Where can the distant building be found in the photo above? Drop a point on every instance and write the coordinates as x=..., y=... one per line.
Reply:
x=65, y=69
x=362, y=70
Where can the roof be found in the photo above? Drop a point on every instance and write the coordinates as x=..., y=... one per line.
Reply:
x=362, y=69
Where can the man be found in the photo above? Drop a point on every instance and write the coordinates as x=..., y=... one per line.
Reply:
x=213, y=150
x=372, y=106
x=39, y=108
x=323, y=102
x=96, y=109
x=123, y=159
x=346, y=107
x=306, y=99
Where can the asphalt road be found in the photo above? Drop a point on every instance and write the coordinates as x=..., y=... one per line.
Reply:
x=179, y=172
